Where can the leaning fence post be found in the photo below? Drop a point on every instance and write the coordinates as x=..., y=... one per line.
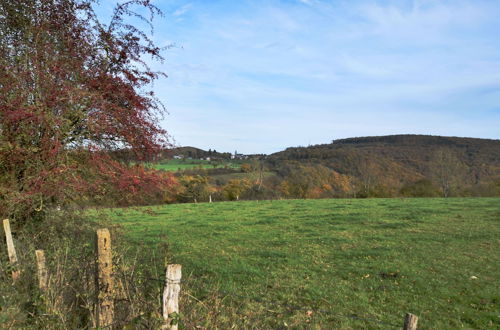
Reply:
x=410, y=322
x=105, y=306
x=11, y=250
x=171, y=297
x=42, y=270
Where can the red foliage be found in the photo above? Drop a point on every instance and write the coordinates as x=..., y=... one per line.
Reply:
x=72, y=88
x=127, y=185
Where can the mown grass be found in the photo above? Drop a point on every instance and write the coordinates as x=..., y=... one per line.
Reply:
x=341, y=263
x=173, y=165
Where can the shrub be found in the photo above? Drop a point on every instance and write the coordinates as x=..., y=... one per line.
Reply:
x=420, y=188
x=69, y=301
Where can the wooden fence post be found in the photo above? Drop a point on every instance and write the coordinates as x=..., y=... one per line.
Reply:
x=410, y=322
x=11, y=250
x=42, y=270
x=105, y=305
x=171, y=297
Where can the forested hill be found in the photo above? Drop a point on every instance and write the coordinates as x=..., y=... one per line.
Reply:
x=399, y=159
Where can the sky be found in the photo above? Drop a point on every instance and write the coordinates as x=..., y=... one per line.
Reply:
x=261, y=76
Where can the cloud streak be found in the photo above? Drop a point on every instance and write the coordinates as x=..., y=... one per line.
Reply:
x=182, y=10
x=259, y=76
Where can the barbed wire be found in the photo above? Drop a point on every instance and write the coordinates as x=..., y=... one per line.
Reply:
x=290, y=307
x=163, y=281
x=285, y=305
x=323, y=311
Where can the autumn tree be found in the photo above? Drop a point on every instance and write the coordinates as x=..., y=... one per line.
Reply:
x=314, y=181
x=368, y=173
x=73, y=88
x=420, y=188
x=246, y=168
x=194, y=188
x=447, y=170
x=235, y=187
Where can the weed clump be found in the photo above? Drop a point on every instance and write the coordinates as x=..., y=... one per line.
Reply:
x=69, y=301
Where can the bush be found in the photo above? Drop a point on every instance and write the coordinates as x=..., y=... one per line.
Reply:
x=420, y=188
x=69, y=301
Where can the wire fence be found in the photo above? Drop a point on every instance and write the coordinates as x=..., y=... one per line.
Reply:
x=289, y=307
x=191, y=281
x=323, y=311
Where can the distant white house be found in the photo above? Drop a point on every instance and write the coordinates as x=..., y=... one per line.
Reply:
x=236, y=155
x=178, y=157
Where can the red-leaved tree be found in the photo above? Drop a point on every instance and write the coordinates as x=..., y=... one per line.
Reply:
x=72, y=89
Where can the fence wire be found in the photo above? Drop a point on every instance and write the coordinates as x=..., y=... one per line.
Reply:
x=162, y=281
x=284, y=305
x=323, y=311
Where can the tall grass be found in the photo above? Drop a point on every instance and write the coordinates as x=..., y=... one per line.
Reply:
x=70, y=299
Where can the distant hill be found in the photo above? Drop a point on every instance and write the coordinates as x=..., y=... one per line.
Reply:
x=374, y=166
x=400, y=159
x=197, y=153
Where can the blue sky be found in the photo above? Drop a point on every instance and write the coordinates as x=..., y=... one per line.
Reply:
x=260, y=76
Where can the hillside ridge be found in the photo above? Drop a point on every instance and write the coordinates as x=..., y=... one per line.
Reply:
x=398, y=160
x=405, y=139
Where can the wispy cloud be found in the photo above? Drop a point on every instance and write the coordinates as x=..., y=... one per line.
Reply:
x=259, y=76
x=182, y=10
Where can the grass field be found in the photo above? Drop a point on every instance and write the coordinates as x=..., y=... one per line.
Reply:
x=347, y=264
x=186, y=164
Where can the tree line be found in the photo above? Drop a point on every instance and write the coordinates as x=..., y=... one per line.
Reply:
x=444, y=174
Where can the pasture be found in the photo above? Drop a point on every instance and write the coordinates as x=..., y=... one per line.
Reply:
x=173, y=165
x=332, y=263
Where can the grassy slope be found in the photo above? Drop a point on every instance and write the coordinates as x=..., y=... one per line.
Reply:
x=176, y=164
x=376, y=258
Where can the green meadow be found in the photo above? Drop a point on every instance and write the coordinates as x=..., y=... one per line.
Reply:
x=173, y=165
x=332, y=263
